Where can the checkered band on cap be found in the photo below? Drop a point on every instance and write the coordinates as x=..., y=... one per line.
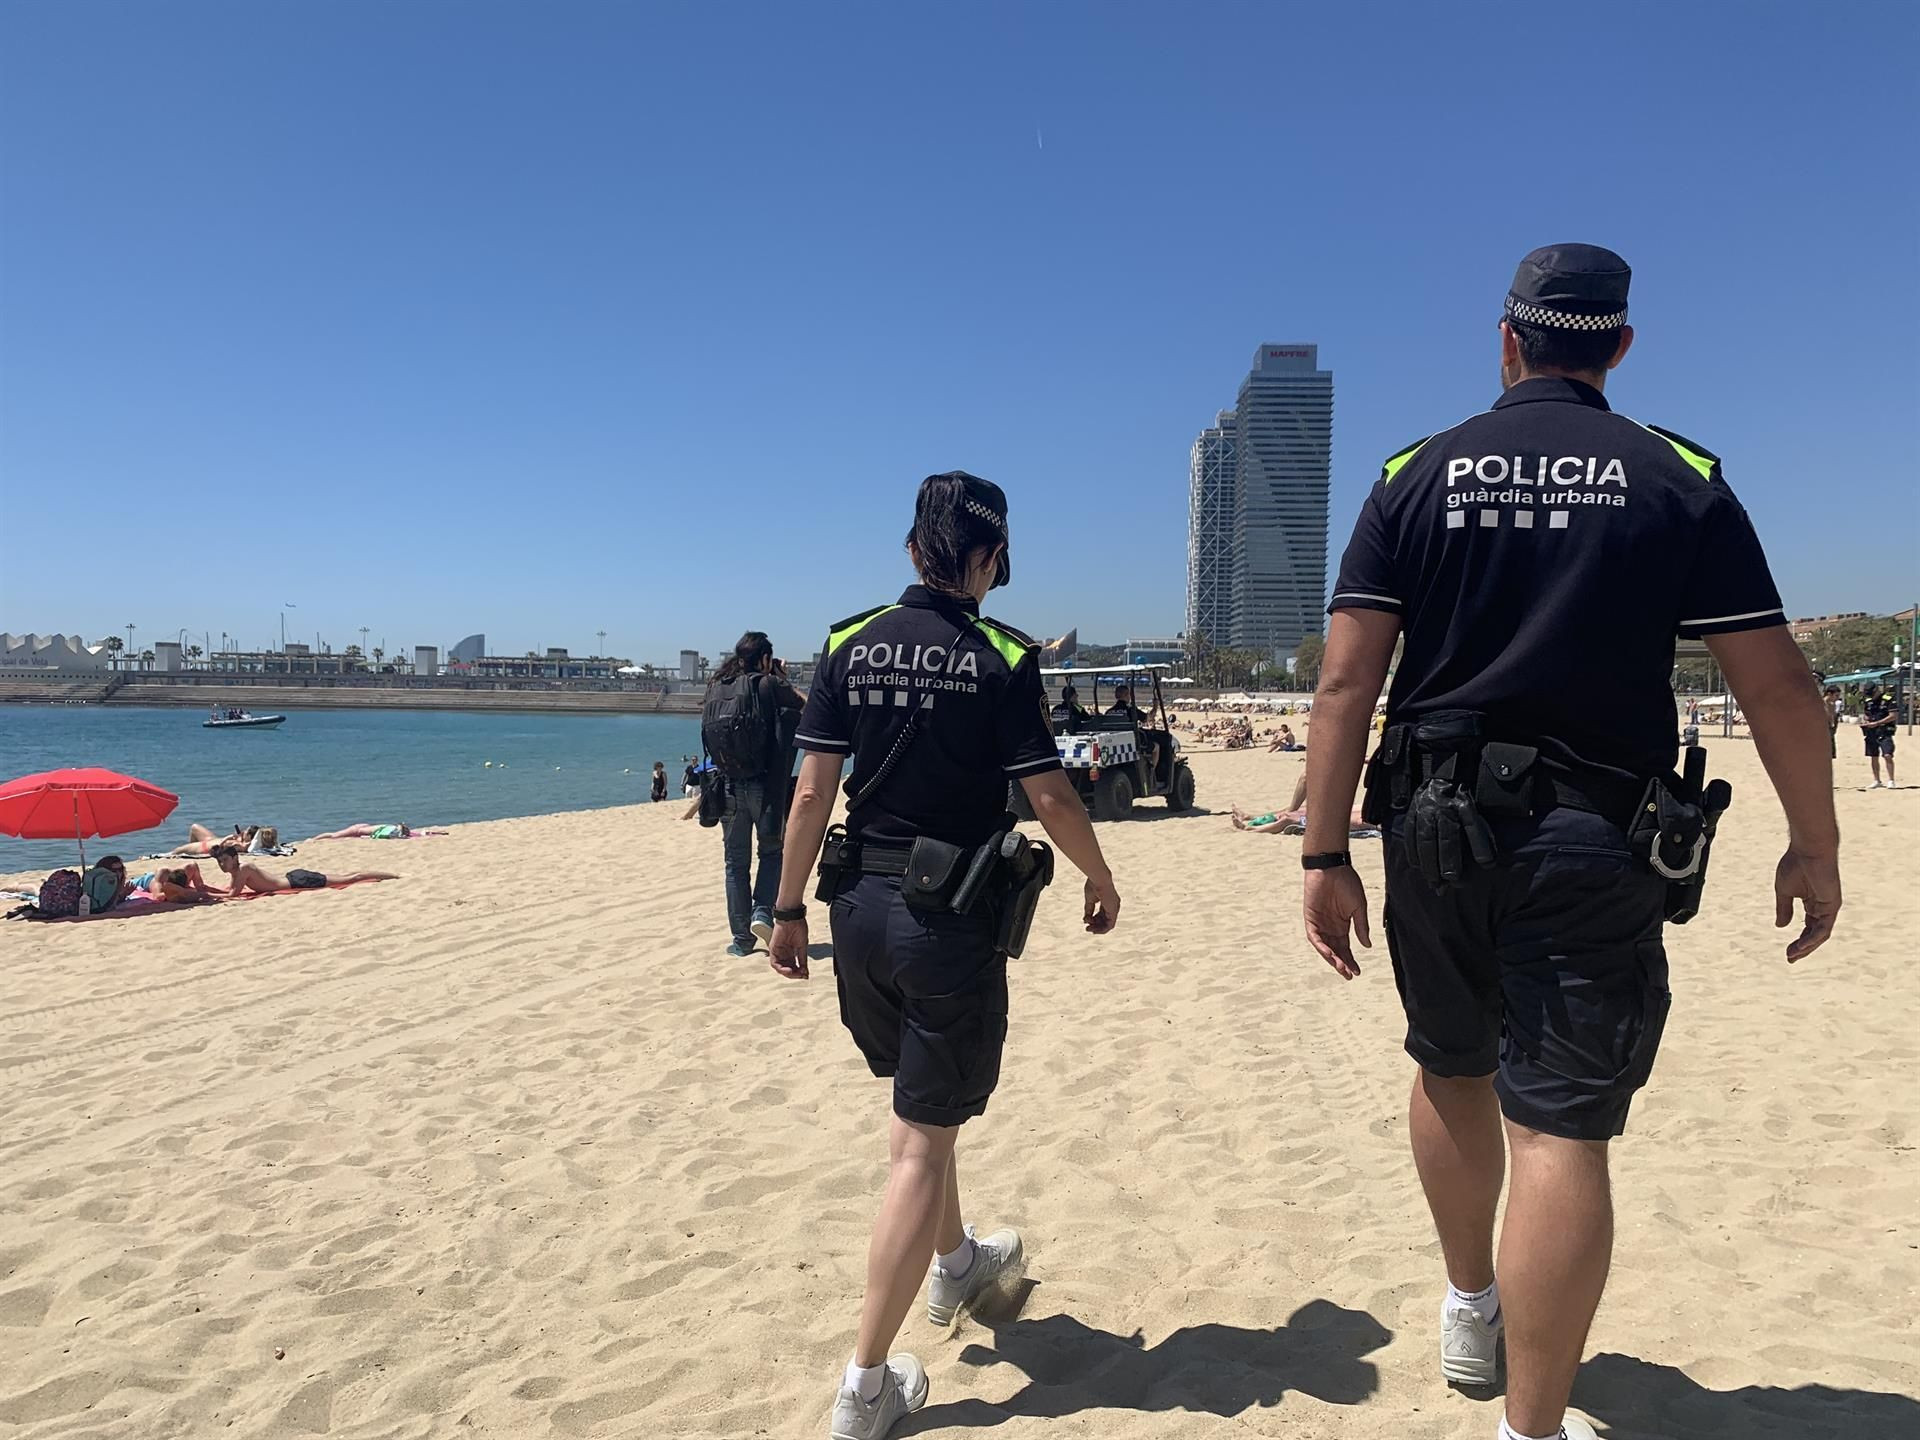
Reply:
x=1557, y=320
x=974, y=507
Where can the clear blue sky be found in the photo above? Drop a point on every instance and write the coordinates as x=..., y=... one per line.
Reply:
x=542, y=319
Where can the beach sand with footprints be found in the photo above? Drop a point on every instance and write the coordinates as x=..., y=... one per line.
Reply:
x=509, y=1147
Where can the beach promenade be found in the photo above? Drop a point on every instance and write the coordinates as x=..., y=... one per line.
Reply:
x=509, y=1148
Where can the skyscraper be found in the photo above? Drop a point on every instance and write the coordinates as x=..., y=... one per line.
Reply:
x=1283, y=443
x=1212, y=480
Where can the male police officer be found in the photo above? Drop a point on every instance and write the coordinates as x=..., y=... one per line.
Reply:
x=1540, y=559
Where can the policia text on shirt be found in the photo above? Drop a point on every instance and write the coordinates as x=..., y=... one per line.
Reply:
x=1540, y=559
x=930, y=888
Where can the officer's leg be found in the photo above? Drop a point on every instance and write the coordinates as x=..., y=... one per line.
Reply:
x=953, y=1227
x=911, y=1212
x=1554, y=1252
x=1455, y=1125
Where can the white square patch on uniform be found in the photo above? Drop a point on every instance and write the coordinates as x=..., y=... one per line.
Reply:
x=1456, y=520
x=1557, y=520
x=1523, y=519
x=1489, y=519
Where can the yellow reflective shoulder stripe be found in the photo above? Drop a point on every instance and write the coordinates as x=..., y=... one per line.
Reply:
x=846, y=632
x=1398, y=462
x=1703, y=463
x=1011, y=650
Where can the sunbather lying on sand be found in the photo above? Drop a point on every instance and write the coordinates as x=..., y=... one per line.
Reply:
x=376, y=832
x=1294, y=818
x=175, y=887
x=201, y=840
x=246, y=878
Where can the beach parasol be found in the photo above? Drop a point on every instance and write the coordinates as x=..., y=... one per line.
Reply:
x=59, y=803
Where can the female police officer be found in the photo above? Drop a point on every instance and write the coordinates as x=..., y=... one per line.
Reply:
x=939, y=707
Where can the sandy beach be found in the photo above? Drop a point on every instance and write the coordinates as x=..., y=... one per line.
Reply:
x=509, y=1147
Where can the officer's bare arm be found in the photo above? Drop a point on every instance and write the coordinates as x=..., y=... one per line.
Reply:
x=807, y=825
x=1769, y=677
x=1063, y=815
x=1359, y=649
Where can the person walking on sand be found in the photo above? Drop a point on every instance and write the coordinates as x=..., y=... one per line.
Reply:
x=1540, y=559
x=1878, y=720
x=940, y=709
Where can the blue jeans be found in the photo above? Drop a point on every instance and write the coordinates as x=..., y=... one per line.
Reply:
x=755, y=811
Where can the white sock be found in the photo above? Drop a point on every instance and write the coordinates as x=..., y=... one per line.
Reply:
x=1507, y=1432
x=958, y=1262
x=1484, y=1303
x=864, y=1380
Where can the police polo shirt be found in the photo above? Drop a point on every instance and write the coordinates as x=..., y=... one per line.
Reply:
x=1543, y=556
x=975, y=684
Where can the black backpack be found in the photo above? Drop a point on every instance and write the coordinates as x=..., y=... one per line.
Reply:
x=736, y=726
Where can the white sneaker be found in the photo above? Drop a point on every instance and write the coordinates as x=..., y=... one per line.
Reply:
x=997, y=1260
x=1572, y=1427
x=1470, y=1347
x=903, y=1390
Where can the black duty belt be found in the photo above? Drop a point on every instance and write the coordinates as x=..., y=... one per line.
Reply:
x=1447, y=781
x=1008, y=872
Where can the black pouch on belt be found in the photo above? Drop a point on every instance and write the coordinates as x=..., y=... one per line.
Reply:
x=1504, y=785
x=934, y=872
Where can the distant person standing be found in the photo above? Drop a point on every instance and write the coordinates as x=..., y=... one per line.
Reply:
x=659, y=781
x=1878, y=719
x=741, y=726
x=1540, y=558
x=1835, y=707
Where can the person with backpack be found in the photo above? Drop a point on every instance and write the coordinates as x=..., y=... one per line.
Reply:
x=741, y=728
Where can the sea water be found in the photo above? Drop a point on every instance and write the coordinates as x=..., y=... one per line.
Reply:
x=325, y=769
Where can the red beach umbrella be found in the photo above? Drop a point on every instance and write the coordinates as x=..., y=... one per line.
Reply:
x=80, y=803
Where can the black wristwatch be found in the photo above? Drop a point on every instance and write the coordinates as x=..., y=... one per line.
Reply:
x=1325, y=860
x=798, y=912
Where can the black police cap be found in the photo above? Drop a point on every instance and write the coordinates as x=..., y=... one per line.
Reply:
x=987, y=503
x=1570, y=287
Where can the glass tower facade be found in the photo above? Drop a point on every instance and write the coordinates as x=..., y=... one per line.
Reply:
x=1213, y=476
x=1283, y=452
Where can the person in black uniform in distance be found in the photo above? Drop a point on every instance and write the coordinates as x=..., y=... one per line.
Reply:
x=939, y=707
x=1069, y=716
x=1878, y=720
x=1158, y=742
x=1540, y=559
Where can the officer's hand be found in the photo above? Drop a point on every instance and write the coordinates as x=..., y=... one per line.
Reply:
x=1336, y=900
x=789, y=947
x=1815, y=881
x=1103, y=906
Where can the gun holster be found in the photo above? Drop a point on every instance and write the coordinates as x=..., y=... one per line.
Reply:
x=1673, y=831
x=839, y=857
x=1027, y=866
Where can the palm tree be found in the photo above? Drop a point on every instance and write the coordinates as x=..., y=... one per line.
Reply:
x=378, y=656
x=194, y=652
x=113, y=645
x=146, y=659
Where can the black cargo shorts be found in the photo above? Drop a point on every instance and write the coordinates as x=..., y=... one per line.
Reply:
x=924, y=996
x=1545, y=970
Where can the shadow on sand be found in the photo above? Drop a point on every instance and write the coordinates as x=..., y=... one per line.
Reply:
x=1637, y=1400
x=1205, y=1369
